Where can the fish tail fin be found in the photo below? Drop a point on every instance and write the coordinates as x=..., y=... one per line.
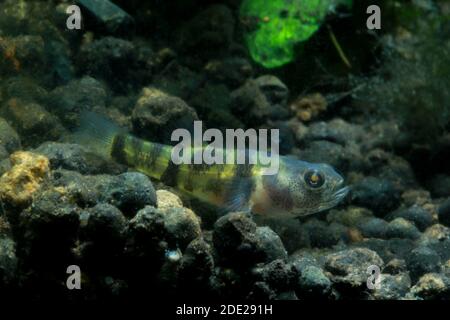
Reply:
x=96, y=133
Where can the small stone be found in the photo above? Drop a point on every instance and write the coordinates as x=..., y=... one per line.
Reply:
x=271, y=244
x=307, y=108
x=51, y=225
x=350, y=217
x=32, y=121
x=182, y=224
x=8, y=262
x=444, y=213
x=107, y=16
x=69, y=100
x=392, y=287
x=18, y=185
x=108, y=56
x=313, y=283
x=402, y=228
x=209, y=33
x=234, y=236
x=231, y=71
x=9, y=138
x=3, y=154
x=379, y=195
x=432, y=286
x=157, y=114
x=75, y=157
x=146, y=235
x=422, y=260
x=349, y=267
x=277, y=274
x=129, y=191
x=166, y=199
x=258, y=100
x=337, y=131
x=395, y=266
x=436, y=233
x=416, y=214
x=275, y=91
x=343, y=158
x=373, y=228
x=105, y=225
x=440, y=186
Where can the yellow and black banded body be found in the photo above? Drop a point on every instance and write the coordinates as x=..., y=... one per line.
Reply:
x=215, y=184
x=297, y=188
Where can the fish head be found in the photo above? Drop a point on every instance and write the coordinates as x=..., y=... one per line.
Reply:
x=302, y=188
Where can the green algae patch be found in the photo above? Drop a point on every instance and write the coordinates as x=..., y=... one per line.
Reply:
x=274, y=27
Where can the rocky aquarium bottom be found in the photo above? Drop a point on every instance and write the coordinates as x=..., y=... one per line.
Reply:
x=110, y=192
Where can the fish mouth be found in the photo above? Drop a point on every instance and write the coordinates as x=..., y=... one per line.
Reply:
x=341, y=194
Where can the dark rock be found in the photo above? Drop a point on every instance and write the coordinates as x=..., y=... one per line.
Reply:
x=3, y=153
x=182, y=225
x=439, y=185
x=313, y=283
x=49, y=230
x=373, y=228
x=270, y=243
x=392, y=287
x=421, y=217
x=350, y=217
x=105, y=225
x=75, y=157
x=28, y=55
x=238, y=242
x=275, y=91
x=196, y=266
x=389, y=249
x=402, y=228
x=322, y=235
x=301, y=259
x=249, y=104
x=395, y=266
x=209, y=33
x=156, y=115
x=337, y=131
x=212, y=103
x=82, y=94
x=422, y=260
x=129, y=191
x=379, y=195
x=277, y=274
x=146, y=234
x=32, y=121
x=178, y=81
x=259, y=100
x=108, y=57
x=231, y=71
x=349, y=267
x=8, y=262
x=444, y=213
x=432, y=286
x=287, y=295
x=387, y=166
x=25, y=88
x=9, y=138
x=261, y=291
x=5, y=164
x=107, y=17
x=342, y=158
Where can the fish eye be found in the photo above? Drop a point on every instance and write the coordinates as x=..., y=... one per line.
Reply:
x=314, y=178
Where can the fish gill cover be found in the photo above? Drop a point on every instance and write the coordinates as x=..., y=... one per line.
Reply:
x=276, y=27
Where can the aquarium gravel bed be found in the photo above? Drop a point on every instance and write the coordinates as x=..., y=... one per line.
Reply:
x=373, y=105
